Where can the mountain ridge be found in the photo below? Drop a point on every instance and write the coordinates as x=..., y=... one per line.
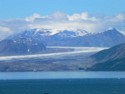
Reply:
x=73, y=38
x=35, y=40
x=112, y=59
x=18, y=45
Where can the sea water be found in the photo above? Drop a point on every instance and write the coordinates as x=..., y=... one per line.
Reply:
x=62, y=83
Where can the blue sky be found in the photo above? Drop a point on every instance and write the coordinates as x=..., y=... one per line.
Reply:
x=23, y=8
x=57, y=15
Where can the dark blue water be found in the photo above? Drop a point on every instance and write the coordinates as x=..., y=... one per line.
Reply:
x=62, y=83
x=63, y=86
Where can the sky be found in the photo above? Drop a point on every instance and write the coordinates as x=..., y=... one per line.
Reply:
x=23, y=8
x=57, y=15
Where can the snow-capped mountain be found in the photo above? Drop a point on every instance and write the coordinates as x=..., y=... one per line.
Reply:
x=33, y=33
x=70, y=34
x=32, y=41
x=110, y=37
x=47, y=36
x=22, y=43
x=107, y=38
x=48, y=32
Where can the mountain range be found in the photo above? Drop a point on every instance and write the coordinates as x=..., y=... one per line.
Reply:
x=103, y=39
x=35, y=40
x=74, y=38
x=17, y=45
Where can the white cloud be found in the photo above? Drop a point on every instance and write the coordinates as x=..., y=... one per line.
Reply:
x=120, y=16
x=59, y=16
x=4, y=32
x=4, y=29
x=61, y=21
x=33, y=17
x=82, y=16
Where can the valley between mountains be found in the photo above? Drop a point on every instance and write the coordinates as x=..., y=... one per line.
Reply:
x=43, y=50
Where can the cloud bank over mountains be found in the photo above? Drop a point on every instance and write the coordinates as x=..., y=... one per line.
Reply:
x=60, y=21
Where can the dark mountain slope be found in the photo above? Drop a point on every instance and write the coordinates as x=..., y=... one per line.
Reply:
x=108, y=39
x=19, y=45
x=112, y=59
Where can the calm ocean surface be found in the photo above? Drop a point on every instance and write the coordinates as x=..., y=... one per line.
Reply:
x=60, y=75
x=62, y=83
